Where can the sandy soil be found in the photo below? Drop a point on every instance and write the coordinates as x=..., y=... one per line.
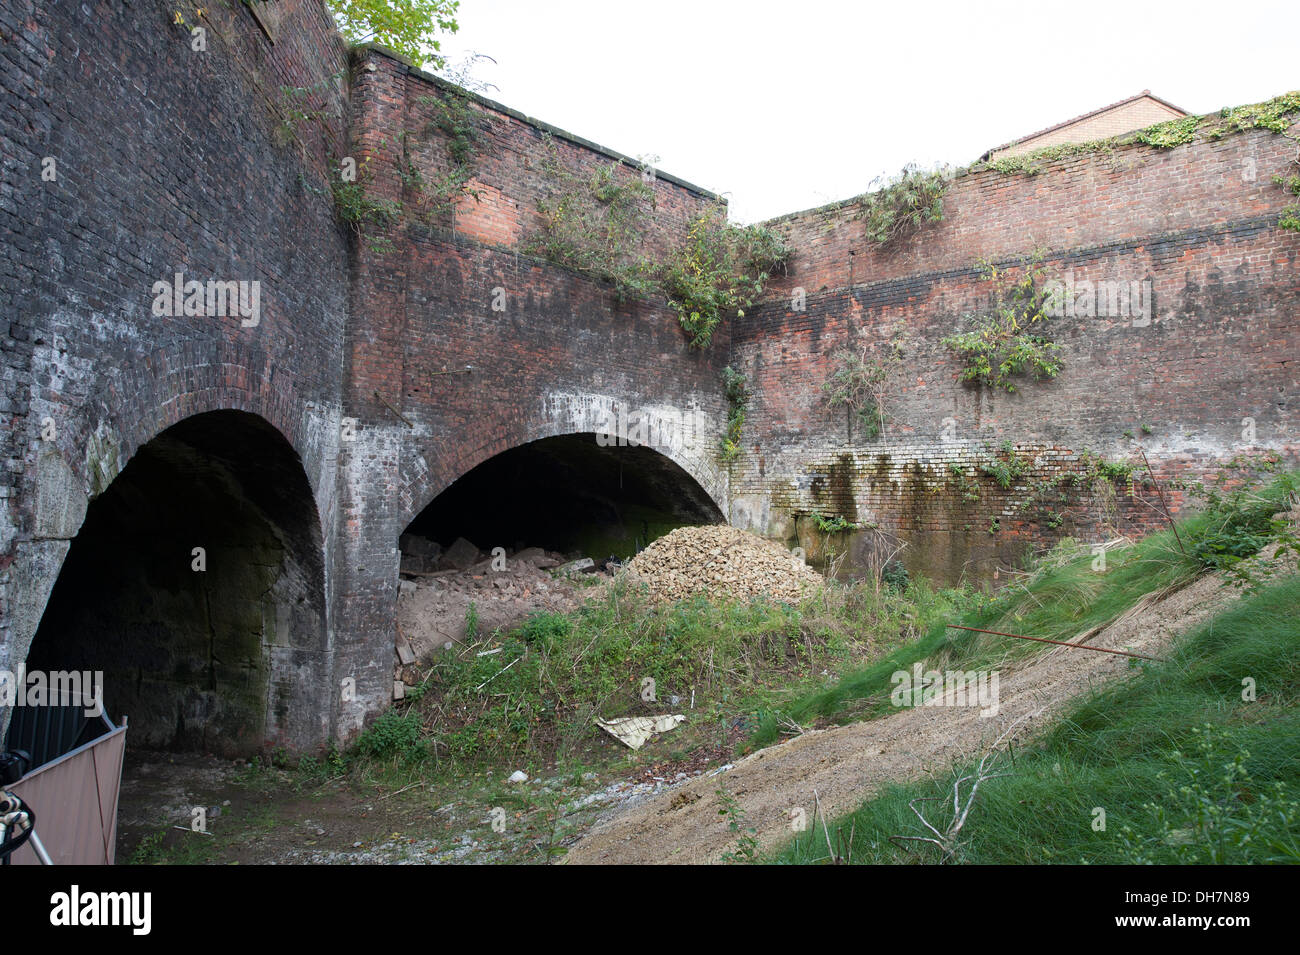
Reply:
x=845, y=765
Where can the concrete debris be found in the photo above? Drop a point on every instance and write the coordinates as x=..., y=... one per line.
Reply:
x=573, y=567
x=461, y=555
x=719, y=560
x=433, y=608
x=417, y=546
x=633, y=731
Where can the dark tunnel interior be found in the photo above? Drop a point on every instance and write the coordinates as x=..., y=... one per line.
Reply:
x=568, y=494
x=186, y=652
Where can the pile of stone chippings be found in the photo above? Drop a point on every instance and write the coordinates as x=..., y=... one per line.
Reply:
x=717, y=561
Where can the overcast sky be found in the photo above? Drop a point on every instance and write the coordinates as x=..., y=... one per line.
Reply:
x=785, y=106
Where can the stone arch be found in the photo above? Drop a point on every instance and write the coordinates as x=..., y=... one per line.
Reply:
x=566, y=414
x=575, y=492
x=212, y=648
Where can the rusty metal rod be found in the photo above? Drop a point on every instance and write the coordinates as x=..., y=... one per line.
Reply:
x=1062, y=643
x=393, y=410
x=1169, y=517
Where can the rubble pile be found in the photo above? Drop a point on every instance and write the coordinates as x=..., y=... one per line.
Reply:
x=438, y=586
x=718, y=560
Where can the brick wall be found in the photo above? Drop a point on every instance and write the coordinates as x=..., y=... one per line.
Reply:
x=395, y=361
x=1198, y=223
x=549, y=352
x=166, y=159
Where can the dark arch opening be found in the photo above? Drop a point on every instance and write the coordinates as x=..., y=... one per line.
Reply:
x=195, y=658
x=568, y=494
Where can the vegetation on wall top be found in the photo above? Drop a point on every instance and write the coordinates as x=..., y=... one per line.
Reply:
x=597, y=223
x=904, y=203
x=407, y=27
x=1276, y=114
x=593, y=222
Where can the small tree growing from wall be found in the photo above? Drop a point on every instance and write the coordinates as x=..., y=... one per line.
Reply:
x=860, y=383
x=719, y=271
x=407, y=27
x=1009, y=339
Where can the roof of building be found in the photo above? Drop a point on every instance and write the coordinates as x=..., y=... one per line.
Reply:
x=1145, y=94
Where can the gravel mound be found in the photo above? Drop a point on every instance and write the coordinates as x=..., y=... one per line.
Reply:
x=719, y=560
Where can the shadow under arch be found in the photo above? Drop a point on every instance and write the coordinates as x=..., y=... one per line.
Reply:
x=568, y=493
x=209, y=654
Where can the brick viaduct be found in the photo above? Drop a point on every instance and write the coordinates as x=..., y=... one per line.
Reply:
x=295, y=451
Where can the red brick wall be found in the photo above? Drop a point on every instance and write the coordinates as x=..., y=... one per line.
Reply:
x=558, y=346
x=1197, y=222
x=197, y=175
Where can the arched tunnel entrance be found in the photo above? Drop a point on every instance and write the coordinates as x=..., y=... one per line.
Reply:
x=195, y=577
x=543, y=504
x=567, y=494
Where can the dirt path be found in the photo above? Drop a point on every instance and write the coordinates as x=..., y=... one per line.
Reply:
x=845, y=765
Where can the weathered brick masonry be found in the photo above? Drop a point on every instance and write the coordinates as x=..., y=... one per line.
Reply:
x=1220, y=345
x=165, y=162
x=445, y=345
x=478, y=347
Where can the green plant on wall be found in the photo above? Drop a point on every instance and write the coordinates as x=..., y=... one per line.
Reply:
x=454, y=123
x=408, y=27
x=903, y=203
x=1096, y=467
x=1095, y=471
x=719, y=271
x=1008, y=340
x=735, y=388
x=1008, y=468
x=965, y=484
x=860, y=383
x=833, y=525
x=594, y=222
x=597, y=223
x=1290, y=217
x=299, y=105
x=356, y=207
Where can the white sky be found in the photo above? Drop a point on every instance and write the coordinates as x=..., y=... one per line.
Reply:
x=785, y=106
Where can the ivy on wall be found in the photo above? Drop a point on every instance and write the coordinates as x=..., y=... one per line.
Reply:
x=735, y=388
